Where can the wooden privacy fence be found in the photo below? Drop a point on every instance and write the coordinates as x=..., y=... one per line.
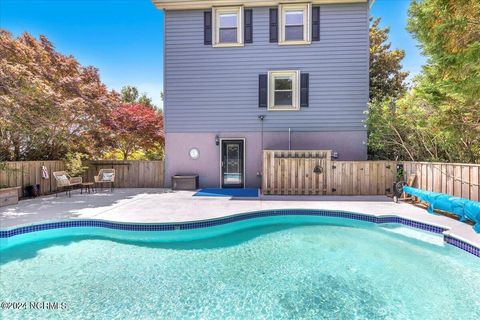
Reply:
x=361, y=177
x=295, y=172
x=24, y=173
x=456, y=179
x=314, y=173
x=130, y=173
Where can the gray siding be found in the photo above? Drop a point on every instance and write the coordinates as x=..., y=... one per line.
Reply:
x=216, y=89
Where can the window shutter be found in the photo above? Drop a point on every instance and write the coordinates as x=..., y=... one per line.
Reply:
x=262, y=90
x=274, y=25
x=207, y=27
x=248, y=26
x=316, y=24
x=304, y=84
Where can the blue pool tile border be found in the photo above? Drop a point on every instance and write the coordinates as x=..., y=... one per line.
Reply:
x=462, y=245
x=240, y=217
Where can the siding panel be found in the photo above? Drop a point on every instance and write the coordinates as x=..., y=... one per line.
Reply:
x=216, y=89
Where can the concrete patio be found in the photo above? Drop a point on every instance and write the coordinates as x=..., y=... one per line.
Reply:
x=164, y=205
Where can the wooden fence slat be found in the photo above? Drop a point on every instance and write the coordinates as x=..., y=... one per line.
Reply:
x=450, y=180
x=264, y=168
x=465, y=193
x=475, y=189
x=457, y=183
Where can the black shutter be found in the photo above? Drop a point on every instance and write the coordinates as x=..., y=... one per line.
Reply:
x=316, y=24
x=273, y=25
x=207, y=27
x=304, y=79
x=262, y=90
x=248, y=26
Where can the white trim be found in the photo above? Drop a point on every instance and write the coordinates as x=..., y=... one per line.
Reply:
x=207, y=4
x=295, y=90
x=244, y=158
x=216, y=11
x=307, y=23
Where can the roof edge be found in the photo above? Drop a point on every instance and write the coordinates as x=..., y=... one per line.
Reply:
x=205, y=4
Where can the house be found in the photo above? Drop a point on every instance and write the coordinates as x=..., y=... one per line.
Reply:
x=242, y=76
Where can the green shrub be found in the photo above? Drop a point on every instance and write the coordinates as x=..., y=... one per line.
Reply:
x=74, y=165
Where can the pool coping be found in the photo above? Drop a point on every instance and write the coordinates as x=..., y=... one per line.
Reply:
x=448, y=236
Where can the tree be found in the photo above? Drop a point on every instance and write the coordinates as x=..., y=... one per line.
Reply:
x=146, y=101
x=387, y=83
x=387, y=80
x=439, y=119
x=49, y=104
x=405, y=130
x=136, y=126
x=74, y=164
x=449, y=34
x=130, y=94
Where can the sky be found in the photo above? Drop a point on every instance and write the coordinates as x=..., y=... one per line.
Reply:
x=124, y=38
x=394, y=14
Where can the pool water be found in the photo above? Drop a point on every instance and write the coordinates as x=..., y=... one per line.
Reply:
x=274, y=271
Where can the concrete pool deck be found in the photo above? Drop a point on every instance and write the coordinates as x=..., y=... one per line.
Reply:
x=164, y=205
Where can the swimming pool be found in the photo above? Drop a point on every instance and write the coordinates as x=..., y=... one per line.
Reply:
x=277, y=267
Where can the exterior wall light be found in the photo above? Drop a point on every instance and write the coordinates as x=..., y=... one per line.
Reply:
x=194, y=154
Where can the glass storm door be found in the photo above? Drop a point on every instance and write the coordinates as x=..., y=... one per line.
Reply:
x=232, y=163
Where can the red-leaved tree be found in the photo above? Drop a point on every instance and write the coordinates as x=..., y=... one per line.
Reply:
x=50, y=105
x=135, y=127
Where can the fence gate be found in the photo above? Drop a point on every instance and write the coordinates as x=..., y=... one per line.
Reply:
x=295, y=172
x=362, y=177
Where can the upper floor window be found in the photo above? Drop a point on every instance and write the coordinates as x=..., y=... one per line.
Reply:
x=228, y=26
x=295, y=23
x=283, y=90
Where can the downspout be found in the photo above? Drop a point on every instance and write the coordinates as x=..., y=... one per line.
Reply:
x=289, y=138
x=259, y=173
x=261, y=117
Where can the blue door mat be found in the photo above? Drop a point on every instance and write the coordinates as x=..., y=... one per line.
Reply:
x=218, y=192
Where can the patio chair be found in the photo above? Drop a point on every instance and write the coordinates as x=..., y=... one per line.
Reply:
x=106, y=176
x=65, y=182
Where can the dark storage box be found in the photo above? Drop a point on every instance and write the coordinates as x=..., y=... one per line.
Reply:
x=185, y=182
x=32, y=191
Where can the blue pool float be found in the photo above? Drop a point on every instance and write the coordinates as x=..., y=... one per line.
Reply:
x=472, y=213
x=425, y=196
x=463, y=208
x=458, y=207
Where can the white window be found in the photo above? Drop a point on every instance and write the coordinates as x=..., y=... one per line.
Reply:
x=283, y=90
x=295, y=24
x=227, y=27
